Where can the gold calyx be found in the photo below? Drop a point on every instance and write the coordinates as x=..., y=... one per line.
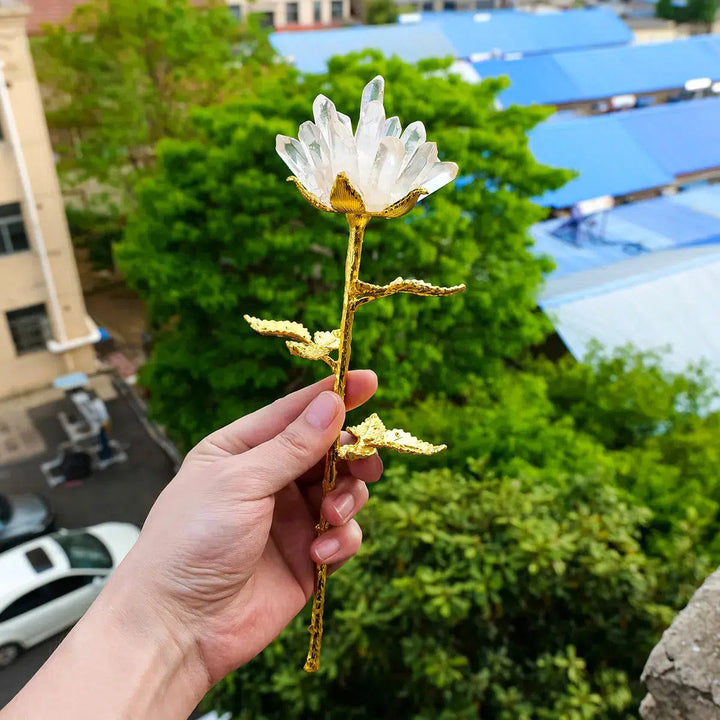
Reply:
x=345, y=199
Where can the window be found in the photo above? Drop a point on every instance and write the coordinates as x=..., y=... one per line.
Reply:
x=84, y=550
x=291, y=12
x=235, y=11
x=30, y=328
x=45, y=594
x=317, y=11
x=265, y=19
x=427, y=6
x=449, y=5
x=39, y=560
x=337, y=9
x=12, y=230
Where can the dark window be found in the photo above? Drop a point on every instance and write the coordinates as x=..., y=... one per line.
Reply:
x=265, y=19
x=84, y=550
x=427, y=6
x=337, y=9
x=317, y=11
x=12, y=230
x=39, y=560
x=29, y=327
x=236, y=11
x=45, y=594
x=291, y=12
x=449, y=5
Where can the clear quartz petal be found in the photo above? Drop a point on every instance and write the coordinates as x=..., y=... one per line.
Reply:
x=323, y=111
x=381, y=188
x=392, y=127
x=413, y=137
x=342, y=148
x=345, y=120
x=374, y=90
x=318, y=153
x=293, y=154
x=439, y=175
x=423, y=159
x=369, y=131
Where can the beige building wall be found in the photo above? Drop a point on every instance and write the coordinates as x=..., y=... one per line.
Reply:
x=22, y=281
x=309, y=12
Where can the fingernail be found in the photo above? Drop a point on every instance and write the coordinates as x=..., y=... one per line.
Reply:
x=343, y=505
x=326, y=548
x=322, y=410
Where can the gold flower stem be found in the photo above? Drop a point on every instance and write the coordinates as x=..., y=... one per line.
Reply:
x=357, y=223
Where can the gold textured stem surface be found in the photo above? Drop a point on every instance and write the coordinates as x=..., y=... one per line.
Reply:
x=357, y=225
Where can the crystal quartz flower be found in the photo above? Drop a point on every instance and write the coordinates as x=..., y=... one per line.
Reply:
x=386, y=166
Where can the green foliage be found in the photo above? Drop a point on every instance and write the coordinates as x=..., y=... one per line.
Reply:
x=380, y=12
x=218, y=232
x=122, y=74
x=474, y=596
x=694, y=11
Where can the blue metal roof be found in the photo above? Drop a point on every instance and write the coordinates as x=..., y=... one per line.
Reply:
x=603, y=72
x=310, y=50
x=620, y=234
x=610, y=161
x=512, y=31
x=684, y=137
x=457, y=34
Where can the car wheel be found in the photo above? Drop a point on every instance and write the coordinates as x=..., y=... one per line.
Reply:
x=8, y=654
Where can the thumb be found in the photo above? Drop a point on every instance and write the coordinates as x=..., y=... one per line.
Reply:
x=269, y=467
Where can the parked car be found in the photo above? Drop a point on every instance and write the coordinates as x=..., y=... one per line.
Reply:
x=23, y=517
x=47, y=584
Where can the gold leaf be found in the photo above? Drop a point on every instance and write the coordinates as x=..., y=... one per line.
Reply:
x=280, y=328
x=344, y=198
x=309, y=351
x=399, y=285
x=328, y=340
x=372, y=434
x=308, y=196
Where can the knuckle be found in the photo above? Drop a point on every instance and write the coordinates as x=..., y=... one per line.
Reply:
x=293, y=443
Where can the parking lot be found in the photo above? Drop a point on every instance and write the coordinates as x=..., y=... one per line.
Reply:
x=122, y=492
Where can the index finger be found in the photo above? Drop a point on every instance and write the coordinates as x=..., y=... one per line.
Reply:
x=258, y=427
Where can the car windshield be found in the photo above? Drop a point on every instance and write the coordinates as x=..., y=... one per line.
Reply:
x=5, y=510
x=84, y=550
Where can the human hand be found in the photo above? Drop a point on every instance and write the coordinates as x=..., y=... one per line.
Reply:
x=226, y=556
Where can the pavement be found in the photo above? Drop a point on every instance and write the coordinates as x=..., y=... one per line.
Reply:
x=29, y=435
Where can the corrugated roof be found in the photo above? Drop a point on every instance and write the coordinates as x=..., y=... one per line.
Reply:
x=457, y=34
x=683, y=137
x=627, y=231
x=584, y=75
x=668, y=300
x=512, y=31
x=610, y=161
x=310, y=50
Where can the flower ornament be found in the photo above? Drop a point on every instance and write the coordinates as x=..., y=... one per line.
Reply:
x=380, y=171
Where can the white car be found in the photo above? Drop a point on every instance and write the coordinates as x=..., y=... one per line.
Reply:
x=48, y=583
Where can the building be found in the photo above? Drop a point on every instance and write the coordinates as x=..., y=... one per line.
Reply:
x=293, y=14
x=44, y=329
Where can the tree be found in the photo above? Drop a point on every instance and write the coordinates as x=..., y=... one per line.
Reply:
x=218, y=232
x=693, y=11
x=122, y=74
x=380, y=12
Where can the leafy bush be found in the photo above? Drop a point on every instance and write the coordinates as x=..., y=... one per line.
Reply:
x=474, y=596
